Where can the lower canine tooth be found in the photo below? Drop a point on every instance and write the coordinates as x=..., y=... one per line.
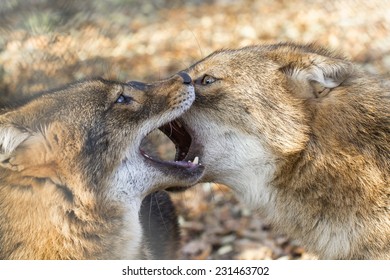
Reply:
x=196, y=160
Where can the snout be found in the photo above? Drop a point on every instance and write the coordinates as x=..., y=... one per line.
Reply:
x=186, y=79
x=138, y=85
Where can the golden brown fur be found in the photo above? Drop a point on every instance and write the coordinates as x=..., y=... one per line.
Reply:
x=72, y=177
x=303, y=136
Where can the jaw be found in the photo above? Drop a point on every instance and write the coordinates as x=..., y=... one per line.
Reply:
x=138, y=176
x=168, y=174
x=234, y=158
x=182, y=171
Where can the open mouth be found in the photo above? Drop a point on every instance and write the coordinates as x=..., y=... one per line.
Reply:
x=184, y=148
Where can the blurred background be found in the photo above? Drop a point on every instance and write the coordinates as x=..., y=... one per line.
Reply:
x=47, y=43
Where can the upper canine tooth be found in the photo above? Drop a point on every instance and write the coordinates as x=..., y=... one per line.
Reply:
x=196, y=160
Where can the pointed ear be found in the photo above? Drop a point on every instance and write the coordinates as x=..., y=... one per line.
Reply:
x=26, y=152
x=11, y=138
x=313, y=75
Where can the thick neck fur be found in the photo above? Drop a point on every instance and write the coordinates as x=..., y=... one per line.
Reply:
x=53, y=224
x=328, y=211
x=323, y=194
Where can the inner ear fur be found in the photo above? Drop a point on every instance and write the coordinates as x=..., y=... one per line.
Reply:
x=313, y=75
x=29, y=153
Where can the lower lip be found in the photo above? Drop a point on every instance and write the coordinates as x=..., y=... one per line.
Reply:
x=183, y=164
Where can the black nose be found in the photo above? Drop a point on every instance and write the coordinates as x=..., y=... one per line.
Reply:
x=137, y=85
x=186, y=78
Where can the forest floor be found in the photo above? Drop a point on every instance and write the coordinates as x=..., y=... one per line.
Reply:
x=45, y=44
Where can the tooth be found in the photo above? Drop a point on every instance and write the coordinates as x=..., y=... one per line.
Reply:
x=196, y=160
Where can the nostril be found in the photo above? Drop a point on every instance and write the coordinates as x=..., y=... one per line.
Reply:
x=186, y=78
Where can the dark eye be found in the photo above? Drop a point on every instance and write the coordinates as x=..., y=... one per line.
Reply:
x=123, y=99
x=206, y=80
